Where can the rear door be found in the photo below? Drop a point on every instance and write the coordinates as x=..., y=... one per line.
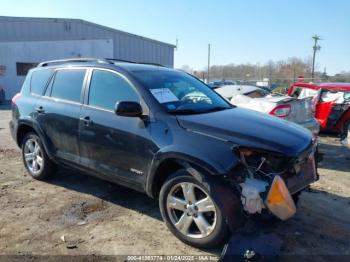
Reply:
x=58, y=112
x=116, y=146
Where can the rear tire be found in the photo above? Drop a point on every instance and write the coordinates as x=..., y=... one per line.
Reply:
x=35, y=159
x=190, y=212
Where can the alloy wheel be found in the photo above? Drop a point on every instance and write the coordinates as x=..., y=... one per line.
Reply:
x=33, y=156
x=191, y=210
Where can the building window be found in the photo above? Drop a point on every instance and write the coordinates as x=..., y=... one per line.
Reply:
x=23, y=68
x=2, y=70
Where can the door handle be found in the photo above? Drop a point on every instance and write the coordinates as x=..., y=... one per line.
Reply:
x=86, y=120
x=40, y=110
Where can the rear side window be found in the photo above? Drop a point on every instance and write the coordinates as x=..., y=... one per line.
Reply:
x=39, y=80
x=68, y=84
x=107, y=88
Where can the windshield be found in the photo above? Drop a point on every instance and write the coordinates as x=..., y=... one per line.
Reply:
x=181, y=93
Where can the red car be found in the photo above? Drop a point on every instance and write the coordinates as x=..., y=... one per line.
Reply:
x=331, y=104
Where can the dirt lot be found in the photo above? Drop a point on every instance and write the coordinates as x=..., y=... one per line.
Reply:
x=97, y=217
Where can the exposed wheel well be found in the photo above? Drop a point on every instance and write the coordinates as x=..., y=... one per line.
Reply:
x=170, y=166
x=22, y=131
x=165, y=169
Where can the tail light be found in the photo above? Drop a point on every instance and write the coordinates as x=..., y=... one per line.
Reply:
x=15, y=98
x=281, y=111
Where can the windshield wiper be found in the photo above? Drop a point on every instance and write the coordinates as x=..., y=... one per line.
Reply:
x=184, y=111
x=192, y=111
x=217, y=108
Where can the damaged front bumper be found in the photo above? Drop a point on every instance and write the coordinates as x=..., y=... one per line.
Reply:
x=307, y=174
x=262, y=189
x=278, y=200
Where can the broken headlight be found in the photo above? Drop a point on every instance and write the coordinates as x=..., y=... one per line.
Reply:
x=264, y=163
x=262, y=185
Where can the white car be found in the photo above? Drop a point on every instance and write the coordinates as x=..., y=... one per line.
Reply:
x=292, y=109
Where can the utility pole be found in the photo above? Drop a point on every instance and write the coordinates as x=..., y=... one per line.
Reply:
x=208, y=63
x=177, y=43
x=316, y=48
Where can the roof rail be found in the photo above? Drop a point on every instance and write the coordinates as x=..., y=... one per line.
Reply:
x=74, y=60
x=132, y=62
x=119, y=60
x=89, y=60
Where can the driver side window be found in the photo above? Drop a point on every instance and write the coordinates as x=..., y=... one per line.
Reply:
x=108, y=88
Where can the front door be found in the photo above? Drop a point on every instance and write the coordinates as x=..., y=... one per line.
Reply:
x=116, y=146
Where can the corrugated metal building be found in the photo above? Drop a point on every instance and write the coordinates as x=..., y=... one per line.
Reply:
x=25, y=41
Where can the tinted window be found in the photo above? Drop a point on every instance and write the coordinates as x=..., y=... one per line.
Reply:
x=107, y=88
x=67, y=84
x=39, y=80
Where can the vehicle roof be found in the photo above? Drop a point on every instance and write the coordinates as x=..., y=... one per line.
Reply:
x=140, y=67
x=333, y=86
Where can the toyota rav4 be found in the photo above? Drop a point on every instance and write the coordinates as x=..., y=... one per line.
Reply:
x=165, y=133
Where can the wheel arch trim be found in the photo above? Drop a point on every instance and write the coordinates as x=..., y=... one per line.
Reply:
x=196, y=167
x=38, y=131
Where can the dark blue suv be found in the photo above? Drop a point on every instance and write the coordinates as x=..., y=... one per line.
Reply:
x=165, y=133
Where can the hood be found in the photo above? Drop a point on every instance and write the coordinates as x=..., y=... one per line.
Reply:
x=250, y=129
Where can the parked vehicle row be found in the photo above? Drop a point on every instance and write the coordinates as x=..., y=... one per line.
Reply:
x=163, y=132
x=332, y=105
x=318, y=107
x=219, y=83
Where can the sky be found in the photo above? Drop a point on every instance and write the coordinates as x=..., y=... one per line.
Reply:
x=250, y=31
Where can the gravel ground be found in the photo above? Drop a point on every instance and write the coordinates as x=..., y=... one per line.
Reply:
x=96, y=217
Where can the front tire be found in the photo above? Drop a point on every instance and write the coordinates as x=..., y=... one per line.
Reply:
x=35, y=159
x=190, y=212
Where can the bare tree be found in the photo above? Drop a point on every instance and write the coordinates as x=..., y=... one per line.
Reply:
x=281, y=72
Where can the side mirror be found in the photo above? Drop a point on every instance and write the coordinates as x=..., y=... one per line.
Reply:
x=128, y=108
